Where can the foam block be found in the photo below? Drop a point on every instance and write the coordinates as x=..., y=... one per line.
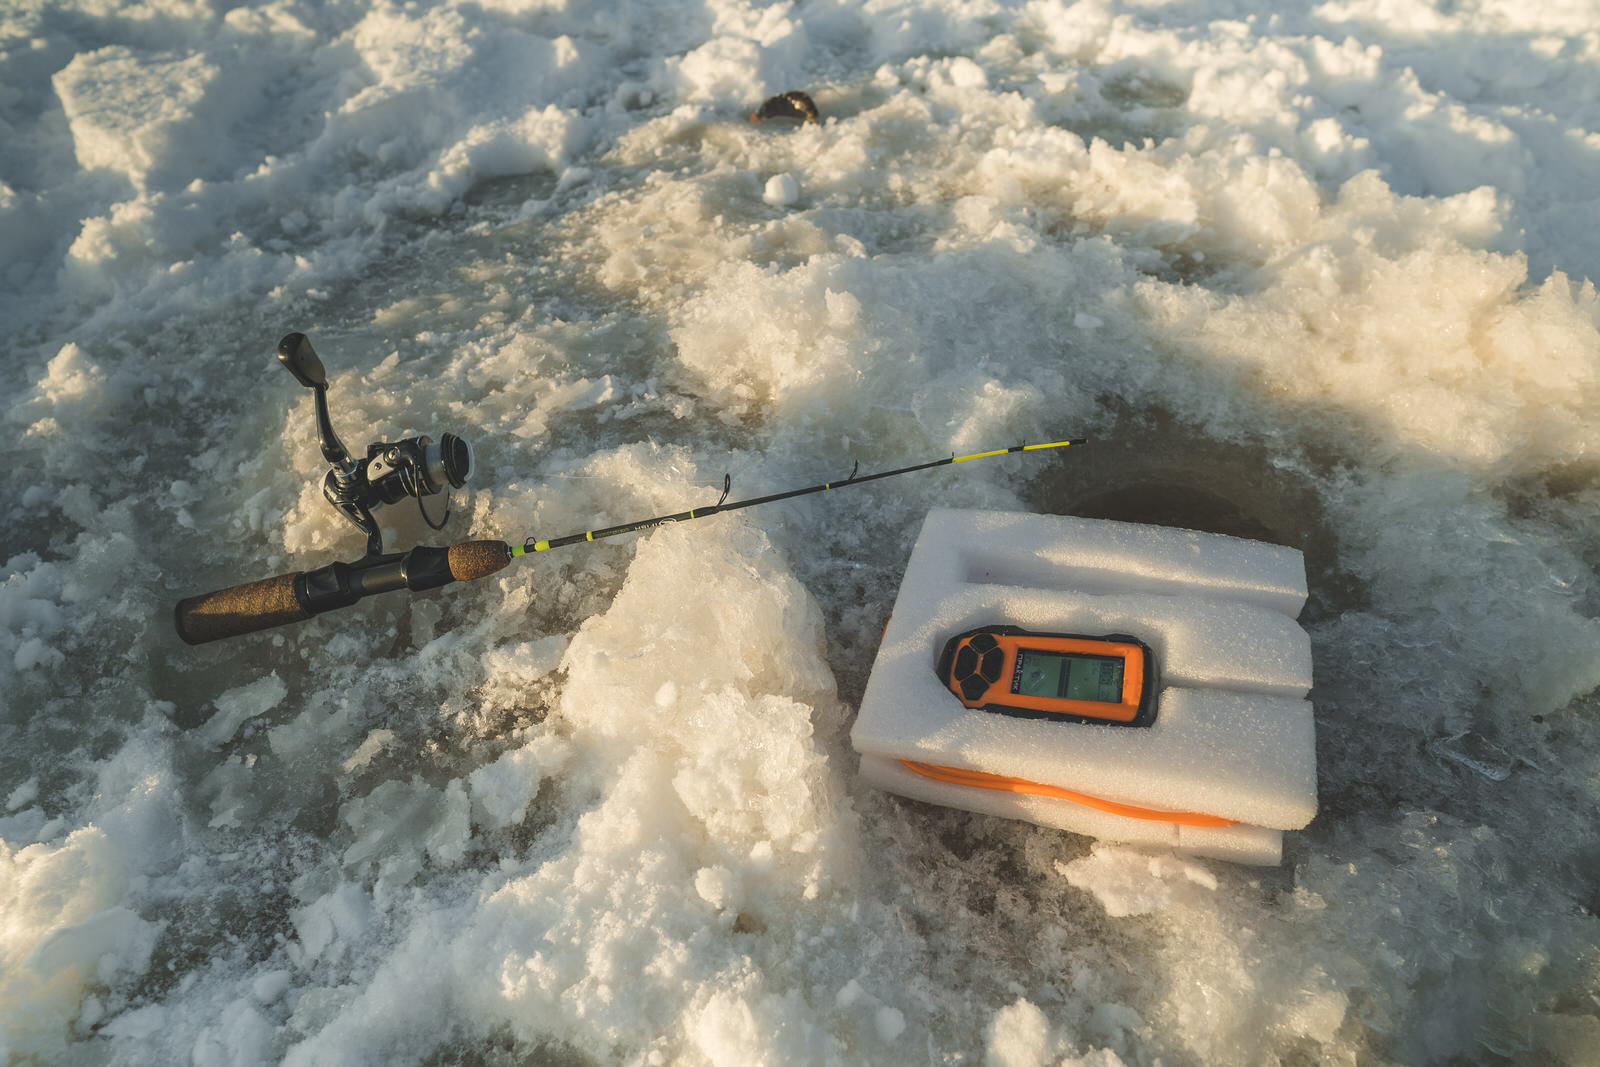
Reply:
x=1233, y=735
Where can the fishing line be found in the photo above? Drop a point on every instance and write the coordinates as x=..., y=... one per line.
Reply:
x=538, y=545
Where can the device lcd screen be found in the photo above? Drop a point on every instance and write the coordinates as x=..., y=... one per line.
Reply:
x=1058, y=675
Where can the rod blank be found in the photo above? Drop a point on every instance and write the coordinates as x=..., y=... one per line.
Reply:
x=535, y=545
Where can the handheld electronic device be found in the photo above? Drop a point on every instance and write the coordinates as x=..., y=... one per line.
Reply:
x=1071, y=677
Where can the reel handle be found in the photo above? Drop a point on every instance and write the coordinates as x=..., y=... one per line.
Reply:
x=295, y=597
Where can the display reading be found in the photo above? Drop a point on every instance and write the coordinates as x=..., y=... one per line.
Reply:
x=1066, y=676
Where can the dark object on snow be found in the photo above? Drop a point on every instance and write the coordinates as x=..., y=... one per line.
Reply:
x=793, y=104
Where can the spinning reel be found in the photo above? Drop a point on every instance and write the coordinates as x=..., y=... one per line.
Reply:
x=392, y=470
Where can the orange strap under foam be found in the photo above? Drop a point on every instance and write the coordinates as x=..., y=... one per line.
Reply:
x=981, y=780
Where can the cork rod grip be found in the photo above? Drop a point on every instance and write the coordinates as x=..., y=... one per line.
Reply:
x=476, y=559
x=241, y=609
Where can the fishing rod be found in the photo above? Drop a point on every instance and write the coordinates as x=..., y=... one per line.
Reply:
x=419, y=468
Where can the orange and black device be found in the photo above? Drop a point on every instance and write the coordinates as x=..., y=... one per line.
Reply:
x=1108, y=680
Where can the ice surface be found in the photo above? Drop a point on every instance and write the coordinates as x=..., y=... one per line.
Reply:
x=1318, y=275
x=237, y=706
x=140, y=116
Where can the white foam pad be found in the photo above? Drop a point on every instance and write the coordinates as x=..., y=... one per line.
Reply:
x=1233, y=735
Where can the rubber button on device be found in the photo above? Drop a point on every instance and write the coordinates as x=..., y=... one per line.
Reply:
x=966, y=662
x=972, y=688
x=983, y=642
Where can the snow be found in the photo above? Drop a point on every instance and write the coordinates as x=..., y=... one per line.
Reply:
x=1321, y=275
x=781, y=190
x=1130, y=882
